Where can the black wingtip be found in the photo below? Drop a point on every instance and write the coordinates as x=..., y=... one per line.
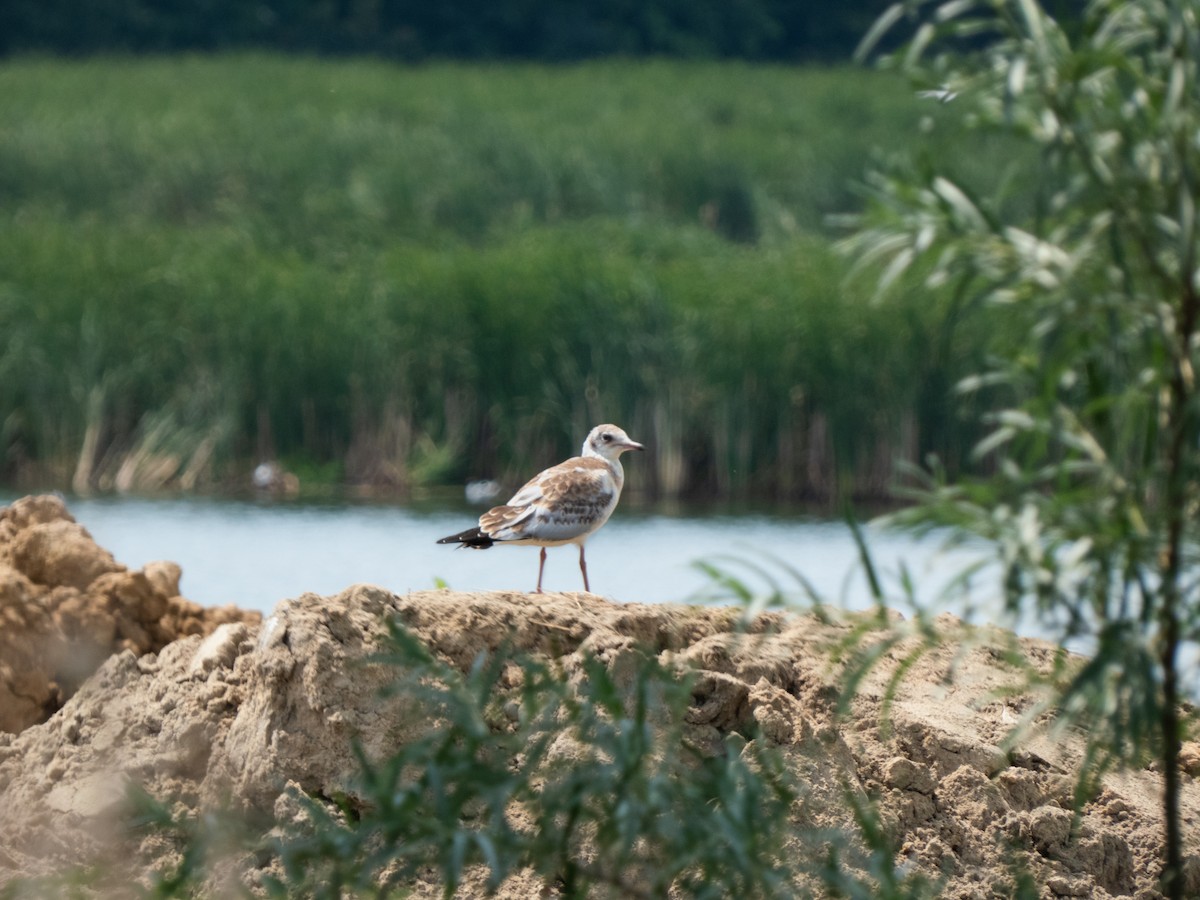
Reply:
x=472, y=537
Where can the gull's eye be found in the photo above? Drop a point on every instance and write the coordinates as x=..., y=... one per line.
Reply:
x=606, y=437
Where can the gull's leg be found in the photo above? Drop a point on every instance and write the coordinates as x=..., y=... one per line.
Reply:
x=541, y=565
x=583, y=569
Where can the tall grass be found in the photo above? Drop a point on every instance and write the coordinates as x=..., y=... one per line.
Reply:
x=427, y=274
x=323, y=155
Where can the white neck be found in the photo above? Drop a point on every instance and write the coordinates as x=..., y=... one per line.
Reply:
x=613, y=463
x=617, y=472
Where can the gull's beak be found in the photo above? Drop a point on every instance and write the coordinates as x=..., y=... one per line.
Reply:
x=633, y=445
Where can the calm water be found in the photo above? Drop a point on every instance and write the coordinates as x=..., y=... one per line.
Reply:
x=256, y=554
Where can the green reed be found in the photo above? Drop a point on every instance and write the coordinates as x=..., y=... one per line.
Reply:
x=419, y=275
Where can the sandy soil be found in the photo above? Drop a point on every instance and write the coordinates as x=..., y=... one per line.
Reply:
x=109, y=677
x=66, y=605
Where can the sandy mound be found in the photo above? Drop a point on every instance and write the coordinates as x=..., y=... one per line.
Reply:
x=253, y=713
x=66, y=605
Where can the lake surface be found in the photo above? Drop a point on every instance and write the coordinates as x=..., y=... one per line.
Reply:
x=256, y=554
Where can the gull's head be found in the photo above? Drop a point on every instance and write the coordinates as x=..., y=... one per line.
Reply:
x=608, y=442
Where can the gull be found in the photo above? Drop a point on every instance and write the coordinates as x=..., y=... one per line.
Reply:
x=565, y=504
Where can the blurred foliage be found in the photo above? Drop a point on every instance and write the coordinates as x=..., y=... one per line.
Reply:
x=590, y=785
x=415, y=276
x=1093, y=476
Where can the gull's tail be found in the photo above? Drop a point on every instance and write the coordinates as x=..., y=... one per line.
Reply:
x=472, y=537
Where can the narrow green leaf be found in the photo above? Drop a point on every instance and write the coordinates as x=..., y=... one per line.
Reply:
x=878, y=29
x=958, y=201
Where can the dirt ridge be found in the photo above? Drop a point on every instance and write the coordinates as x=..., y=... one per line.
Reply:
x=66, y=605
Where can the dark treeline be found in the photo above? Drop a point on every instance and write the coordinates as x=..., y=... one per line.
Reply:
x=781, y=30
x=471, y=29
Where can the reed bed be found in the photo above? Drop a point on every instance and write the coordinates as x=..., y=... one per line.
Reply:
x=400, y=277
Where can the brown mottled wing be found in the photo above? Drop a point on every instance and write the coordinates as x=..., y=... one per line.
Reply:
x=561, y=503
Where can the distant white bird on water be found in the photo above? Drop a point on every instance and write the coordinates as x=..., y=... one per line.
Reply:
x=481, y=491
x=563, y=505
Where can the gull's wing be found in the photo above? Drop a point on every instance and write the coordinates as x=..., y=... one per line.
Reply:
x=559, y=504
